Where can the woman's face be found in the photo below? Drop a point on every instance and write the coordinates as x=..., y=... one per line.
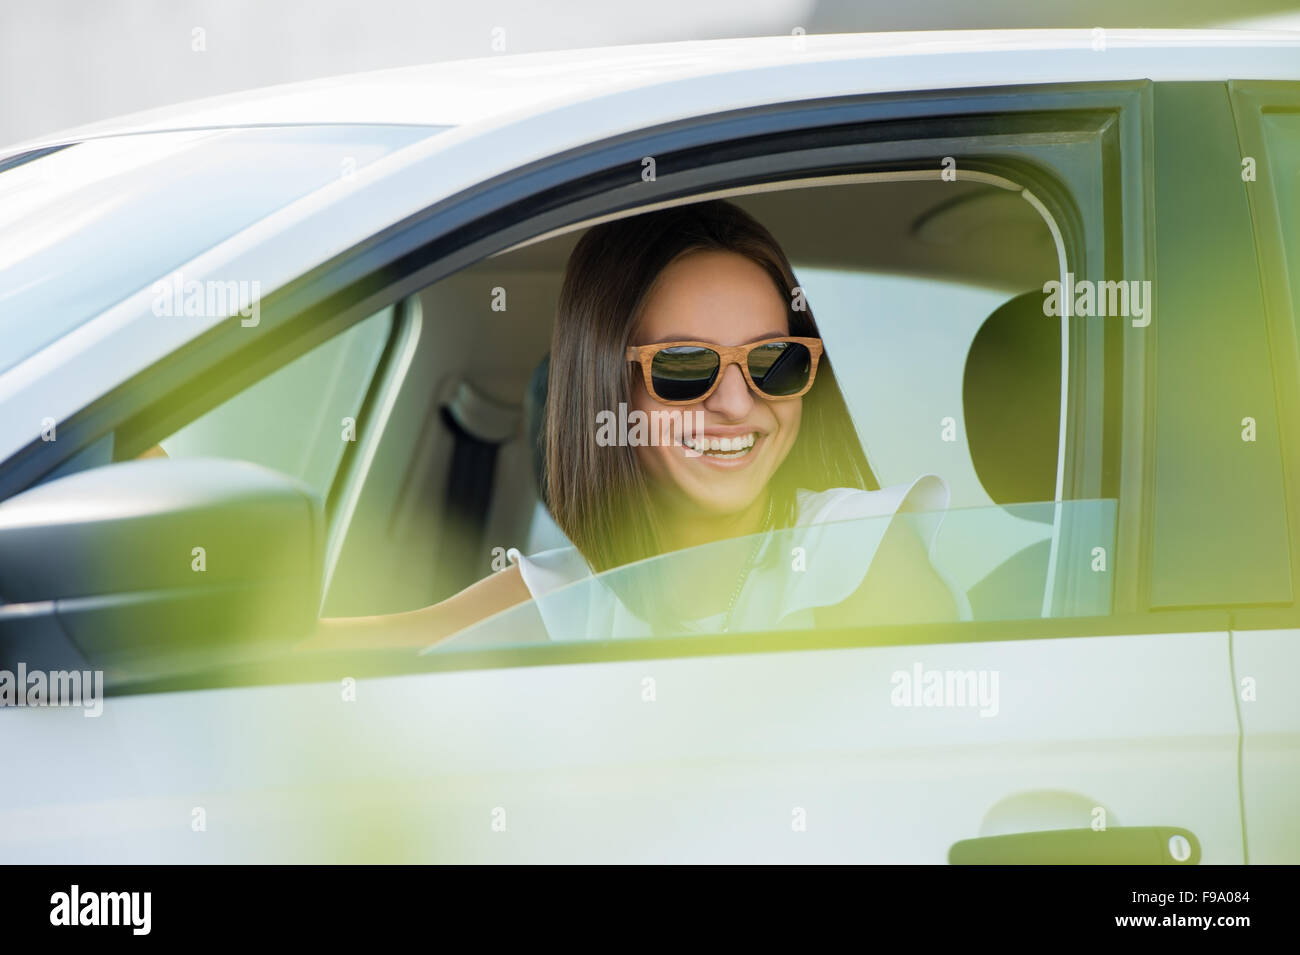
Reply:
x=725, y=299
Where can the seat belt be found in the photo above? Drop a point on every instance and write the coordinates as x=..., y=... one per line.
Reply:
x=478, y=427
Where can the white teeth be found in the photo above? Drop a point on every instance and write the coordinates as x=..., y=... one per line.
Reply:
x=729, y=447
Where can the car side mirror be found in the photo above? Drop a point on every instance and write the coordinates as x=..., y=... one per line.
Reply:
x=126, y=566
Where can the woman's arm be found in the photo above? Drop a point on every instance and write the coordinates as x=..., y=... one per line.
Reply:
x=428, y=625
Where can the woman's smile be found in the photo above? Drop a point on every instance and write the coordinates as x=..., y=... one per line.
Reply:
x=727, y=449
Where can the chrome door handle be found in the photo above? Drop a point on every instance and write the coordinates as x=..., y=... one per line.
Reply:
x=1123, y=845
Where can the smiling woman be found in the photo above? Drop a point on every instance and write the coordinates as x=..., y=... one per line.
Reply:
x=692, y=317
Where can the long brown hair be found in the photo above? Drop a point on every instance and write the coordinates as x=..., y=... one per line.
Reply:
x=599, y=495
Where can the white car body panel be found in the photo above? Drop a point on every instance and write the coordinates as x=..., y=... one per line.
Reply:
x=585, y=768
x=725, y=74
x=1264, y=663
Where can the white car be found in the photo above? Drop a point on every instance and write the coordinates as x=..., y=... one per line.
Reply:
x=351, y=283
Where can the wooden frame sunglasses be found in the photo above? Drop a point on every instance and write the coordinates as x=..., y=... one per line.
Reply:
x=688, y=354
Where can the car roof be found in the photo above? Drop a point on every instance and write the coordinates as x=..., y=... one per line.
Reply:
x=509, y=112
x=490, y=89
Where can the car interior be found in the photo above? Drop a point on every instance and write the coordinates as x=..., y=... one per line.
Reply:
x=464, y=485
x=928, y=290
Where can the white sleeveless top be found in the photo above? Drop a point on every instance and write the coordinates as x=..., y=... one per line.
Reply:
x=832, y=524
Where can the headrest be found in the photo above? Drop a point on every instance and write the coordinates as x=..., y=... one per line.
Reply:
x=480, y=417
x=1011, y=399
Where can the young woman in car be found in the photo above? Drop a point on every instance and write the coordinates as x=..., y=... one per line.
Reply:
x=696, y=309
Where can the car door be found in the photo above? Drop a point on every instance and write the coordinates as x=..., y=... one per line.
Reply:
x=1106, y=720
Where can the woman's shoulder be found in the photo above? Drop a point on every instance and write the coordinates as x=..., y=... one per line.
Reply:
x=928, y=492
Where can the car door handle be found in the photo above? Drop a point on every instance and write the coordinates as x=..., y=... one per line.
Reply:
x=1122, y=845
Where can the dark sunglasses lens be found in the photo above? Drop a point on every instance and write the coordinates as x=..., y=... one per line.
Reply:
x=684, y=372
x=781, y=368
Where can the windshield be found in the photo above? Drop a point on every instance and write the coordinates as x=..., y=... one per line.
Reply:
x=1017, y=562
x=85, y=226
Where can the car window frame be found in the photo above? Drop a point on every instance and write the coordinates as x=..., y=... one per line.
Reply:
x=1094, y=132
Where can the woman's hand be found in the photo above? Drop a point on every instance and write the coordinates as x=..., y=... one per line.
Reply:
x=426, y=626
